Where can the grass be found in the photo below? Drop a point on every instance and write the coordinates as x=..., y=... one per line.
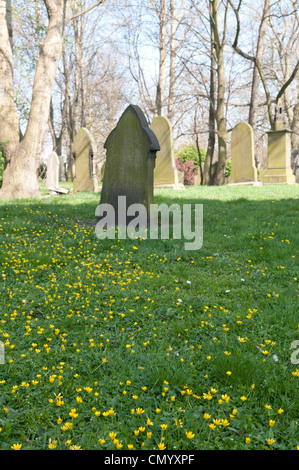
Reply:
x=140, y=344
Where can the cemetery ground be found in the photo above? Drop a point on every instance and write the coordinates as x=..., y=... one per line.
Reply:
x=139, y=344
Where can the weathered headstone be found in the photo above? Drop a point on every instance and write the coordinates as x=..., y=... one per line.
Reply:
x=84, y=151
x=130, y=160
x=165, y=173
x=242, y=154
x=279, y=153
x=52, y=181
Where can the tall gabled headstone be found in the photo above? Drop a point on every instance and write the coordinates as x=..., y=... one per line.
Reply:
x=52, y=181
x=165, y=173
x=242, y=154
x=84, y=151
x=130, y=160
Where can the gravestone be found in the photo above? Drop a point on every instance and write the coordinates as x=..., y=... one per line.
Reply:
x=243, y=168
x=165, y=173
x=130, y=160
x=279, y=152
x=52, y=181
x=84, y=151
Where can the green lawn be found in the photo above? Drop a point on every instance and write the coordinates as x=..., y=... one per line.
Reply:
x=121, y=344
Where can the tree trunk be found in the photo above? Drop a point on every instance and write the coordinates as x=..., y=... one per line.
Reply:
x=172, y=68
x=256, y=77
x=221, y=122
x=9, y=124
x=22, y=157
x=220, y=107
x=162, y=59
x=295, y=122
x=207, y=173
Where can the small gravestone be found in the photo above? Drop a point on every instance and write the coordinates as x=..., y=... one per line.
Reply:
x=242, y=154
x=130, y=160
x=165, y=173
x=84, y=152
x=52, y=181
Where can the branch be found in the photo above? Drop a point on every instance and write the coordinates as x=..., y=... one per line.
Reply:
x=86, y=10
x=287, y=83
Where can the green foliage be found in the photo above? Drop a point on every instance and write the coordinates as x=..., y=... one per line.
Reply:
x=228, y=167
x=190, y=153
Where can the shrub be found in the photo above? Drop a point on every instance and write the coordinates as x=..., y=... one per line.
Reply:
x=189, y=153
x=228, y=167
x=189, y=170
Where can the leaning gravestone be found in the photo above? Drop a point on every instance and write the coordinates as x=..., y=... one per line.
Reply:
x=165, y=173
x=130, y=160
x=242, y=154
x=52, y=181
x=84, y=150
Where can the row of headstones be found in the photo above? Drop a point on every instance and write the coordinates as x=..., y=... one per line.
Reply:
x=278, y=159
x=127, y=156
x=84, y=149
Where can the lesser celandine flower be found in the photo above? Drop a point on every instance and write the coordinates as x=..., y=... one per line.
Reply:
x=16, y=446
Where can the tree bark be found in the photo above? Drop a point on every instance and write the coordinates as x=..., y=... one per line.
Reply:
x=255, y=76
x=220, y=107
x=295, y=122
x=22, y=157
x=172, y=67
x=162, y=59
x=207, y=173
x=9, y=124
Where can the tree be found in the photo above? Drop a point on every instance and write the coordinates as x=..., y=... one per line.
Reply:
x=258, y=64
x=22, y=153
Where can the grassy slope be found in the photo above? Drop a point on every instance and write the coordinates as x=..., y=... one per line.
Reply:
x=79, y=314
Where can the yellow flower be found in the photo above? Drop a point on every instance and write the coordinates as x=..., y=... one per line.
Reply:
x=279, y=411
x=112, y=435
x=190, y=434
x=73, y=413
x=224, y=422
x=270, y=441
x=164, y=427
x=16, y=446
x=206, y=416
x=271, y=422
x=243, y=398
x=212, y=426
x=52, y=444
x=161, y=446
x=225, y=398
x=248, y=440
